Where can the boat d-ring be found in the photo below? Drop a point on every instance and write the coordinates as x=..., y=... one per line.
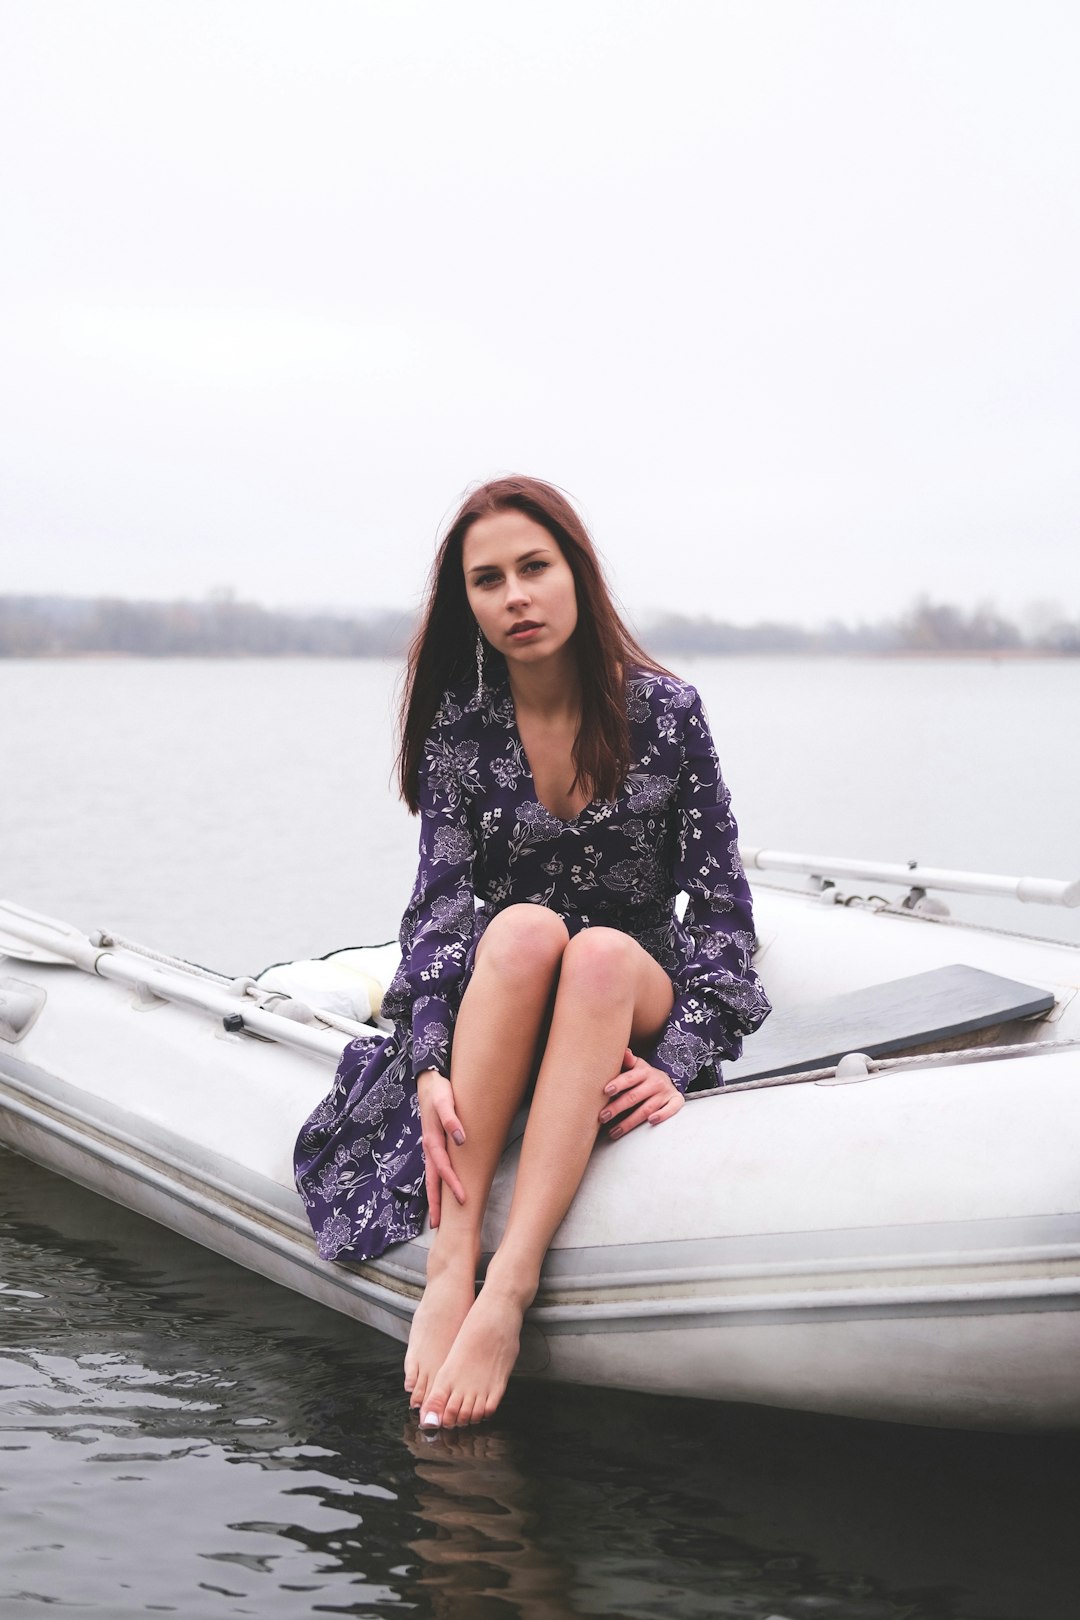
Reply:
x=20, y=1004
x=852, y=1066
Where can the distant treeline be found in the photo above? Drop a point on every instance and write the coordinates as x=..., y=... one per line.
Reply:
x=50, y=626
x=219, y=627
x=926, y=627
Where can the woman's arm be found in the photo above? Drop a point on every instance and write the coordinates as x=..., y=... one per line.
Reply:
x=440, y=919
x=436, y=933
x=718, y=997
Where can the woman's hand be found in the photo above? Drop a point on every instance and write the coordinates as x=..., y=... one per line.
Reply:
x=438, y=1120
x=649, y=1093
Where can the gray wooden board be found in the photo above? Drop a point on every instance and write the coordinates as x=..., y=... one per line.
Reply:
x=884, y=1018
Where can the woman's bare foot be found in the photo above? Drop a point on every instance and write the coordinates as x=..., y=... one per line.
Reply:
x=448, y=1298
x=470, y=1383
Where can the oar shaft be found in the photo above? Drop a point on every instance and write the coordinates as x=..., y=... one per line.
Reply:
x=1033, y=891
x=220, y=1002
x=123, y=967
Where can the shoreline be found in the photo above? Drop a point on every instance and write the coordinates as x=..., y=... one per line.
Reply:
x=1010, y=655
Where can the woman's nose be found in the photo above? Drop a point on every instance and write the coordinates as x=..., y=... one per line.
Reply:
x=516, y=592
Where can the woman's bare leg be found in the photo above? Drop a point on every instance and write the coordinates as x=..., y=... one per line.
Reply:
x=610, y=992
x=495, y=1038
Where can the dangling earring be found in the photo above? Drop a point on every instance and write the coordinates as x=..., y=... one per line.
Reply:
x=479, y=662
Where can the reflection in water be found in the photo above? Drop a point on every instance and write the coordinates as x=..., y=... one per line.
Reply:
x=178, y=1435
x=482, y=1552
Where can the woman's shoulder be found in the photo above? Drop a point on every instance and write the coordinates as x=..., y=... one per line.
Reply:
x=656, y=692
x=468, y=711
x=451, y=708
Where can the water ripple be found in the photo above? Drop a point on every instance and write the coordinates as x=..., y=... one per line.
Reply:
x=178, y=1436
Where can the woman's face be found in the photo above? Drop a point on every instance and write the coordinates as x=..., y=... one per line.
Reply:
x=520, y=586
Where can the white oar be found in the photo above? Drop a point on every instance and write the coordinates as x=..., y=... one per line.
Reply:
x=1033, y=891
x=33, y=937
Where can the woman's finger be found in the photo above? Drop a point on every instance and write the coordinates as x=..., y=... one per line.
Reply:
x=444, y=1107
x=447, y=1172
x=623, y=1082
x=642, y=1092
x=632, y=1121
x=442, y=1098
x=669, y=1109
x=434, y=1192
x=648, y=1110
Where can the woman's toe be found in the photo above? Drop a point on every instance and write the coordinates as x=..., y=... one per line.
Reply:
x=452, y=1412
x=433, y=1409
x=465, y=1410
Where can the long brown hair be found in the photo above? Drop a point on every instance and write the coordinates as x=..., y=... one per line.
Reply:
x=443, y=651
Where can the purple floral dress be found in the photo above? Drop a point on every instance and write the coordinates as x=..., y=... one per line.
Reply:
x=485, y=843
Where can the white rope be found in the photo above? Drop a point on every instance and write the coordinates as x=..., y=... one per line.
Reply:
x=106, y=941
x=967, y=1054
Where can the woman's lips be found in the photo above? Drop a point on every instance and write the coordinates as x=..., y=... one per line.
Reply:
x=521, y=632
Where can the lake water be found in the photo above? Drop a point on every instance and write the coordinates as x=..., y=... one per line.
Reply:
x=240, y=813
x=178, y=1436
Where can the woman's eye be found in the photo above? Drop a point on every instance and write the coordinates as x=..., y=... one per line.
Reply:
x=537, y=564
x=485, y=580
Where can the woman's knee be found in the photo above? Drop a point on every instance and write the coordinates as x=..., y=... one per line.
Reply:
x=523, y=942
x=600, y=963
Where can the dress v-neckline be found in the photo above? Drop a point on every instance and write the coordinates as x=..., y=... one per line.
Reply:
x=566, y=821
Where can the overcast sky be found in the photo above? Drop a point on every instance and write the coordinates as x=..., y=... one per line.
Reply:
x=784, y=294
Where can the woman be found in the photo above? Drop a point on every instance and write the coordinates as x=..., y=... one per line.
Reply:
x=567, y=789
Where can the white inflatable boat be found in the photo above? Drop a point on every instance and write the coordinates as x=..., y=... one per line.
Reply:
x=878, y=1216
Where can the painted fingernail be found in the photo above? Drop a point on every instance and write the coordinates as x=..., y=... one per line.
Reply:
x=459, y=1138
x=609, y=1089
x=616, y=1132
x=605, y=1113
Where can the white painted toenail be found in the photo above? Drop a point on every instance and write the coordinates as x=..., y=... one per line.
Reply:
x=430, y=1420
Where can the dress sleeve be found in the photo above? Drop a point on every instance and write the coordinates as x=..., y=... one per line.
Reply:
x=440, y=920
x=718, y=997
